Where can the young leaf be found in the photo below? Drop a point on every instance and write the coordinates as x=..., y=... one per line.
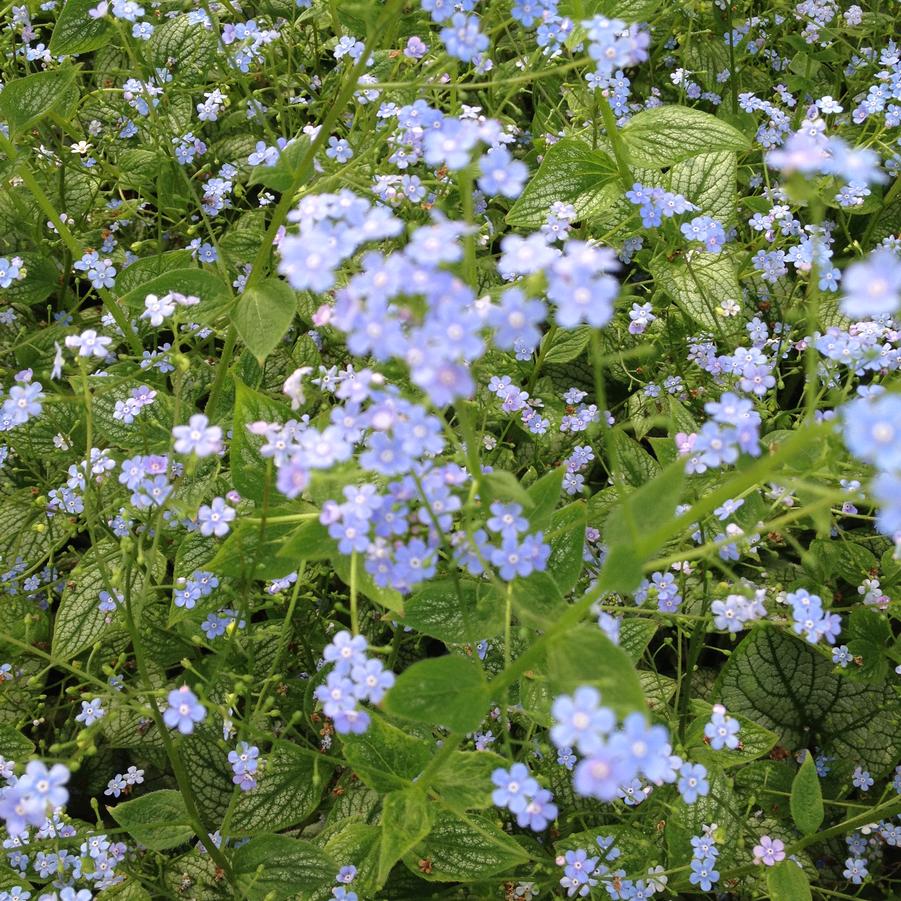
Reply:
x=444, y=691
x=545, y=494
x=384, y=757
x=807, y=797
x=157, y=820
x=263, y=315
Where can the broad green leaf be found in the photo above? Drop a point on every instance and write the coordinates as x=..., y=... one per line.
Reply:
x=708, y=180
x=585, y=656
x=212, y=291
x=144, y=270
x=281, y=176
x=504, y=486
x=14, y=745
x=780, y=682
x=42, y=279
x=189, y=48
x=700, y=286
x=274, y=867
x=25, y=101
x=545, y=494
x=570, y=172
x=869, y=638
x=288, y=791
x=249, y=468
x=407, y=817
x=629, y=528
x=666, y=135
x=443, y=691
x=76, y=32
x=842, y=559
x=360, y=842
x=206, y=763
x=455, y=612
x=465, y=850
x=158, y=820
x=537, y=600
x=636, y=464
x=79, y=622
x=263, y=314
x=308, y=541
x=786, y=881
x=635, y=633
x=245, y=554
x=565, y=345
x=384, y=757
x=465, y=783
x=807, y=797
x=388, y=598
x=567, y=539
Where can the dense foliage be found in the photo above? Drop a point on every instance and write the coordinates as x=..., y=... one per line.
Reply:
x=450, y=448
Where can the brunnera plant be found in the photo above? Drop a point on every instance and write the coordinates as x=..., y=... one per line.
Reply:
x=449, y=448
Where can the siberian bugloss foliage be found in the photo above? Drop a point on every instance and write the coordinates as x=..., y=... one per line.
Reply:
x=450, y=449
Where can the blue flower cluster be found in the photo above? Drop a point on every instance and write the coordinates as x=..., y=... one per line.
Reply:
x=810, y=619
x=354, y=678
x=518, y=791
x=703, y=860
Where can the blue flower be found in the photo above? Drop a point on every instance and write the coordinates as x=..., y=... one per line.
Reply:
x=184, y=710
x=872, y=287
x=693, y=782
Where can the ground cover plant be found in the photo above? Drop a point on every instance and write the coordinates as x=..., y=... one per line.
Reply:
x=450, y=449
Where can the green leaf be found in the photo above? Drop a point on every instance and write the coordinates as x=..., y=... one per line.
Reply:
x=245, y=554
x=807, y=797
x=786, y=881
x=869, y=638
x=566, y=344
x=455, y=616
x=585, y=656
x=444, y=691
x=248, y=467
x=666, y=135
x=629, y=528
x=845, y=559
x=76, y=32
x=288, y=791
x=637, y=465
x=465, y=849
x=158, y=820
x=504, y=486
x=384, y=597
x=25, y=101
x=545, y=494
x=263, y=315
x=407, y=817
x=785, y=685
x=567, y=540
x=13, y=744
x=384, y=757
x=708, y=180
x=700, y=287
x=537, y=600
x=212, y=291
x=79, y=622
x=281, y=176
x=308, y=541
x=465, y=783
x=278, y=866
x=570, y=172
x=189, y=48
